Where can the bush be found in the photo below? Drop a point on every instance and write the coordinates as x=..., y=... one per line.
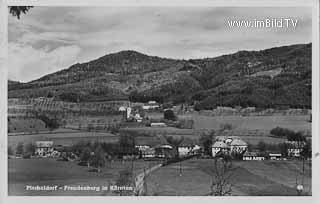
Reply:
x=185, y=124
x=289, y=134
x=169, y=115
x=226, y=126
x=51, y=123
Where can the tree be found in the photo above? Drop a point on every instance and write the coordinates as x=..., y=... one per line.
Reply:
x=206, y=139
x=307, y=150
x=222, y=173
x=86, y=156
x=51, y=123
x=262, y=147
x=125, y=179
x=30, y=149
x=225, y=126
x=20, y=149
x=127, y=142
x=169, y=115
x=18, y=10
x=284, y=149
x=98, y=160
x=175, y=142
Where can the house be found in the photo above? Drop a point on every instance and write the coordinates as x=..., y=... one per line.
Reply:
x=142, y=147
x=220, y=146
x=158, y=125
x=295, y=148
x=138, y=118
x=248, y=156
x=43, y=148
x=151, y=105
x=148, y=153
x=187, y=148
x=122, y=108
x=164, y=151
x=228, y=145
x=238, y=146
x=275, y=156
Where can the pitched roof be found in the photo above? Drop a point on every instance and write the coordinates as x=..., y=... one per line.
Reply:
x=220, y=145
x=238, y=142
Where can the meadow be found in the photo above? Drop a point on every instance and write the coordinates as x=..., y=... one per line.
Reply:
x=250, y=178
x=22, y=172
x=63, y=137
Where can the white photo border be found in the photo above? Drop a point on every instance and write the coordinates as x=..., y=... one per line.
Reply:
x=315, y=198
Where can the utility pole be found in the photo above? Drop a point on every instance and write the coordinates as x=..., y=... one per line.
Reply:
x=180, y=170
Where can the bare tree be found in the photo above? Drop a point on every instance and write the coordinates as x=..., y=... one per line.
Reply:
x=222, y=173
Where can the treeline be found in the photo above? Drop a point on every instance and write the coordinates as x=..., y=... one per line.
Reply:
x=290, y=135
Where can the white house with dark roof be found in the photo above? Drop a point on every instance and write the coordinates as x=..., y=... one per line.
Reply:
x=228, y=145
x=238, y=146
x=220, y=146
x=295, y=148
x=43, y=148
x=188, y=147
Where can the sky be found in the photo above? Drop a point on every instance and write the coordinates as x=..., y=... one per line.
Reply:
x=48, y=39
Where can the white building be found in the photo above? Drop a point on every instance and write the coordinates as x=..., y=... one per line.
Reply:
x=142, y=147
x=248, y=156
x=43, y=148
x=158, y=125
x=275, y=156
x=220, y=146
x=238, y=146
x=295, y=148
x=188, y=149
x=148, y=153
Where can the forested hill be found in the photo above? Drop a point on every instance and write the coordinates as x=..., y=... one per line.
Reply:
x=279, y=76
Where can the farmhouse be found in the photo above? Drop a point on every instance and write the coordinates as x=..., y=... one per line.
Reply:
x=275, y=156
x=163, y=151
x=188, y=147
x=248, y=156
x=158, y=125
x=220, y=147
x=238, y=146
x=148, y=153
x=43, y=148
x=151, y=105
x=295, y=148
x=228, y=145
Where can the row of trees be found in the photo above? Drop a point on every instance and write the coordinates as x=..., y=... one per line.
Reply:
x=288, y=134
x=25, y=151
x=282, y=148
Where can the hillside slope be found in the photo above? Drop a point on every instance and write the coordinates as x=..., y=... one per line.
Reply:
x=278, y=76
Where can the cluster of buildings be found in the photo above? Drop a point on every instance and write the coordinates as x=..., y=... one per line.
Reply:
x=228, y=145
x=223, y=145
x=165, y=150
x=45, y=149
x=132, y=111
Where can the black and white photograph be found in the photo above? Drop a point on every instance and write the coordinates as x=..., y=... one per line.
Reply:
x=159, y=101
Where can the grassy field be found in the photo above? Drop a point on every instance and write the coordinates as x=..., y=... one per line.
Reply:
x=266, y=123
x=254, y=178
x=63, y=137
x=22, y=172
x=252, y=129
